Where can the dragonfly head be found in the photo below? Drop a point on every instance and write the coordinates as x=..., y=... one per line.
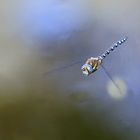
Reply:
x=87, y=69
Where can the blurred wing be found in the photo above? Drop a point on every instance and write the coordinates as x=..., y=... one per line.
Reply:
x=110, y=77
x=61, y=68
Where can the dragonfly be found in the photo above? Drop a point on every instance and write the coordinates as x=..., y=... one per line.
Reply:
x=92, y=64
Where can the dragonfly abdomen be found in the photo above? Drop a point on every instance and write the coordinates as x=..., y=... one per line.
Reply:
x=112, y=48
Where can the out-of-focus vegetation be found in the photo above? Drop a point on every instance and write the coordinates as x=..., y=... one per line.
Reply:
x=35, y=117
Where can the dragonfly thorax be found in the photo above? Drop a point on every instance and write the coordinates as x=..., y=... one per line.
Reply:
x=91, y=65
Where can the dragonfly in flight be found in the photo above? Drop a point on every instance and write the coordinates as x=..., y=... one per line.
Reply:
x=93, y=63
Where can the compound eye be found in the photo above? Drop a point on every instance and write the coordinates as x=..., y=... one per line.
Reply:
x=87, y=69
x=86, y=73
x=84, y=69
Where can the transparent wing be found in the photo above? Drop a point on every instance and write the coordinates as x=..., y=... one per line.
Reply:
x=110, y=77
x=61, y=68
x=78, y=62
